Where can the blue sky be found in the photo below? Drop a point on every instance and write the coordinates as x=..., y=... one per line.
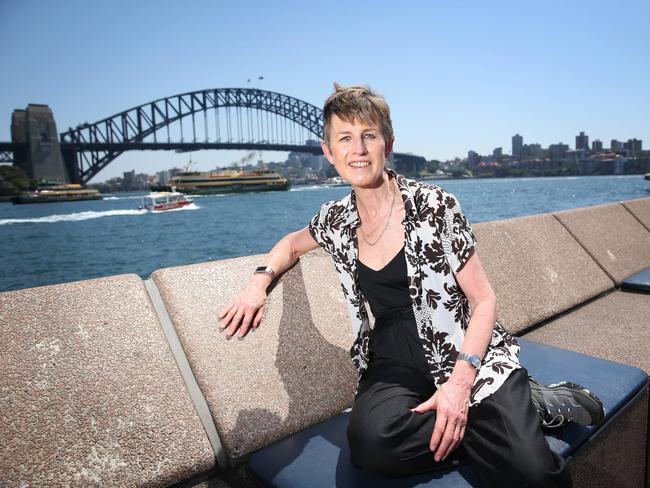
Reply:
x=457, y=75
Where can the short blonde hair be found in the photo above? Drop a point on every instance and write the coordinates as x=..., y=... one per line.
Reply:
x=357, y=102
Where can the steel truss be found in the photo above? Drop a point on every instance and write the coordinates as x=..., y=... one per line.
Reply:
x=7, y=157
x=94, y=146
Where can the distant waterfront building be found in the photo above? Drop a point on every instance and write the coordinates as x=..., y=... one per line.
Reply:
x=597, y=145
x=582, y=141
x=532, y=151
x=616, y=145
x=558, y=151
x=498, y=152
x=163, y=177
x=128, y=177
x=633, y=147
x=473, y=159
x=517, y=146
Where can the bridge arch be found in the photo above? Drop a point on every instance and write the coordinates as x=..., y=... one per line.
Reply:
x=89, y=148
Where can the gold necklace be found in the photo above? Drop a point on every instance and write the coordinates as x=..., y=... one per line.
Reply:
x=390, y=212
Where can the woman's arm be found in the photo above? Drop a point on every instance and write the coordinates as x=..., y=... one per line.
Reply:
x=451, y=401
x=247, y=308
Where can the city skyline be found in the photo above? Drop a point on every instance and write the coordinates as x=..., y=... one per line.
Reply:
x=456, y=78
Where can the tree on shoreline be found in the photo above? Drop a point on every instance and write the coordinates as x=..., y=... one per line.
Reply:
x=13, y=181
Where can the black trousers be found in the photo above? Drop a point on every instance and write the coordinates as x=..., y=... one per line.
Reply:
x=503, y=439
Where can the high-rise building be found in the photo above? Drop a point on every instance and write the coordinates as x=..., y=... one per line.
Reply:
x=633, y=147
x=558, y=151
x=498, y=152
x=582, y=141
x=597, y=145
x=616, y=145
x=532, y=151
x=517, y=146
x=473, y=159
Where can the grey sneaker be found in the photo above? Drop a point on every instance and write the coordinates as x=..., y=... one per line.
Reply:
x=566, y=402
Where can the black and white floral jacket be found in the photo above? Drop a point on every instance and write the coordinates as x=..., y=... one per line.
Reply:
x=439, y=240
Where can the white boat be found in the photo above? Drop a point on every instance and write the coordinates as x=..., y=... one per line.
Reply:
x=164, y=200
x=336, y=181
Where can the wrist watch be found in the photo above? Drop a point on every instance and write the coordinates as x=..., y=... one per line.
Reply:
x=266, y=270
x=470, y=358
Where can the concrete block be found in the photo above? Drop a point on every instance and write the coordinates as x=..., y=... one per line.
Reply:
x=615, y=327
x=536, y=269
x=613, y=237
x=640, y=208
x=90, y=394
x=616, y=457
x=293, y=371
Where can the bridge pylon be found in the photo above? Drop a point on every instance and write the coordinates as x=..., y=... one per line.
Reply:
x=33, y=130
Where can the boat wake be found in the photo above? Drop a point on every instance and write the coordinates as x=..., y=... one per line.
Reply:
x=306, y=188
x=130, y=197
x=73, y=217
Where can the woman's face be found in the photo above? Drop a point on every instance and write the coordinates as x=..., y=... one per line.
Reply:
x=358, y=151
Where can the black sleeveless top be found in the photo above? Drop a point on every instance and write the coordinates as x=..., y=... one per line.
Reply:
x=387, y=289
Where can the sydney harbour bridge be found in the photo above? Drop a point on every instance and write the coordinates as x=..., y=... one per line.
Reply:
x=220, y=118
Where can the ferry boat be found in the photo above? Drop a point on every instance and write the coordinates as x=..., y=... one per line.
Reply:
x=47, y=192
x=163, y=201
x=227, y=181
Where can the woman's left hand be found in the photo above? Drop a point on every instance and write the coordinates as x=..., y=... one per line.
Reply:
x=451, y=403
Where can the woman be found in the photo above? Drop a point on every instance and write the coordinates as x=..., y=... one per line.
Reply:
x=437, y=369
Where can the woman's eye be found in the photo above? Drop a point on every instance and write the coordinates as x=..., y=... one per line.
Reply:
x=369, y=136
x=346, y=138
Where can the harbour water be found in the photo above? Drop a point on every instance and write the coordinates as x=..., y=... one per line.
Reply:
x=59, y=242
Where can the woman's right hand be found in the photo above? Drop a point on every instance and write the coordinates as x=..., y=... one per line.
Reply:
x=246, y=309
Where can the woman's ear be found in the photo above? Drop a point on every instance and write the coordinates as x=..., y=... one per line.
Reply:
x=389, y=146
x=326, y=151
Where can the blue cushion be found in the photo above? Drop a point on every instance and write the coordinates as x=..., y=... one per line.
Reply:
x=319, y=456
x=639, y=281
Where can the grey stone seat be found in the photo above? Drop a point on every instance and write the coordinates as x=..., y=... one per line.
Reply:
x=292, y=372
x=615, y=327
x=613, y=236
x=90, y=394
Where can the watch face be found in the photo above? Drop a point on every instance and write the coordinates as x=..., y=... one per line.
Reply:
x=261, y=269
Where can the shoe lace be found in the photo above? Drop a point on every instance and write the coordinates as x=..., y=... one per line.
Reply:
x=555, y=422
x=548, y=419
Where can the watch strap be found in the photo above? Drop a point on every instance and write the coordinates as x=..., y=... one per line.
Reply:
x=475, y=361
x=266, y=270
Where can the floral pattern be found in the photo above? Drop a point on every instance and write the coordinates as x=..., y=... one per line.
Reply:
x=439, y=240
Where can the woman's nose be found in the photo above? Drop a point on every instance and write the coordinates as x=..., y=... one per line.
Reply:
x=359, y=145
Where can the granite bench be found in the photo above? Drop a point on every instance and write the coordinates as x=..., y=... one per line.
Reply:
x=116, y=382
x=307, y=302
x=558, y=278
x=90, y=393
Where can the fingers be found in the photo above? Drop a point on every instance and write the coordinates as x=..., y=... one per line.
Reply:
x=258, y=317
x=225, y=322
x=238, y=318
x=438, y=431
x=449, y=428
x=427, y=406
x=246, y=323
x=234, y=323
x=454, y=436
x=225, y=310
